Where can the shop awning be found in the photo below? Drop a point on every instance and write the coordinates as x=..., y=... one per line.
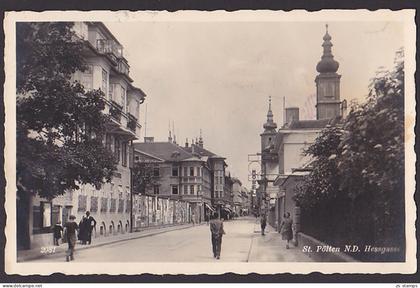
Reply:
x=209, y=207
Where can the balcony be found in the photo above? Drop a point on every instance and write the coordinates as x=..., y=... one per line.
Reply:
x=132, y=123
x=110, y=48
x=123, y=67
x=115, y=111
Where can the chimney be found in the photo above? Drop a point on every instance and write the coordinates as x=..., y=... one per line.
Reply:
x=192, y=149
x=186, y=143
x=292, y=114
x=149, y=139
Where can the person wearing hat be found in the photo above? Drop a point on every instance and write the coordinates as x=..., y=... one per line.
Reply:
x=70, y=229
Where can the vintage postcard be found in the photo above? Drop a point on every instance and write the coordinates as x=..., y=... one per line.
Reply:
x=196, y=142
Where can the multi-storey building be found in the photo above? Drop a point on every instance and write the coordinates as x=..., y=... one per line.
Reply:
x=189, y=173
x=220, y=200
x=107, y=70
x=179, y=174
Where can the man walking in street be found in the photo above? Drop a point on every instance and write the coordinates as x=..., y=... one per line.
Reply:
x=216, y=228
x=263, y=222
x=70, y=235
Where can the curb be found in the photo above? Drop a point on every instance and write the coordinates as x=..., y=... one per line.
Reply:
x=62, y=253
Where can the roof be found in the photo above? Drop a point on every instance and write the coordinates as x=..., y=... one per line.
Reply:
x=201, y=151
x=309, y=124
x=164, y=150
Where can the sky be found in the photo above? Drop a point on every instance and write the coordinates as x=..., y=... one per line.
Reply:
x=217, y=76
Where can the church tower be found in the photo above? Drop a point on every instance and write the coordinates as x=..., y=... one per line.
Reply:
x=327, y=83
x=267, y=137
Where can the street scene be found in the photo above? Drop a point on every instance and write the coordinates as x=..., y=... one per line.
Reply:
x=153, y=140
x=242, y=243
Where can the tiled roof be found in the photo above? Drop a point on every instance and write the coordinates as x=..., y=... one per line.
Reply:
x=201, y=151
x=164, y=150
x=308, y=124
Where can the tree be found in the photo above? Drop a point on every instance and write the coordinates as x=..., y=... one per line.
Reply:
x=356, y=188
x=144, y=176
x=60, y=125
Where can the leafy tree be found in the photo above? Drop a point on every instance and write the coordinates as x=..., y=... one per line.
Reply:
x=355, y=191
x=144, y=176
x=60, y=126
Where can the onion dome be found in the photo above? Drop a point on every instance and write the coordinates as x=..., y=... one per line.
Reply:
x=327, y=63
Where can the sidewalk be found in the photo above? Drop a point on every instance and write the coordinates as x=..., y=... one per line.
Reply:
x=271, y=248
x=32, y=254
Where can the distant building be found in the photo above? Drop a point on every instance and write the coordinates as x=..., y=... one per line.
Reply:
x=108, y=70
x=190, y=173
x=241, y=198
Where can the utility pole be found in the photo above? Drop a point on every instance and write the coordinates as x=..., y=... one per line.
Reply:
x=145, y=122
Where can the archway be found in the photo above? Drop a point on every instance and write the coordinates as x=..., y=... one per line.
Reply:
x=102, y=229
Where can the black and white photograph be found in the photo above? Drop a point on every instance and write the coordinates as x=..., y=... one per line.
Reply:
x=210, y=142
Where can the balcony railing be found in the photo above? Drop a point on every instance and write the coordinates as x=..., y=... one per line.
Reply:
x=132, y=123
x=110, y=47
x=115, y=111
x=123, y=67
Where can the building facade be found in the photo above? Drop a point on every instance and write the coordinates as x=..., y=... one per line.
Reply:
x=107, y=70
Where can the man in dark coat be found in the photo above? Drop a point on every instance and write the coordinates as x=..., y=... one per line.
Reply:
x=57, y=229
x=90, y=224
x=83, y=231
x=217, y=231
x=263, y=222
x=70, y=229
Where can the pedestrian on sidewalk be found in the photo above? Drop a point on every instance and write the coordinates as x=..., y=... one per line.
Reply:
x=217, y=231
x=83, y=231
x=263, y=222
x=57, y=230
x=70, y=229
x=90, y=224
x=286, y=228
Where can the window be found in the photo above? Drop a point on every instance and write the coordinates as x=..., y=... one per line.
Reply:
x=87, y=78
x=117, y=149
x=174, y=189
x=185, y=189
x=108, y=141
x=104, y=87
x=46, y=214
x=124, y=154
x=93, y=204
x=175, y=171
x=123, y=95
x=191, y=171
x=216, y=194
x=82, y=203
x=216, y=180
x=185, y=171
x=55, y=214
x=120, y=205
x=156, y=189
x=104, y=204
x=113, y=207
x=198, y=171
x=192, y=189
x=156, y=172
x=127, y=205
x=199, y=189
x=137, y=110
